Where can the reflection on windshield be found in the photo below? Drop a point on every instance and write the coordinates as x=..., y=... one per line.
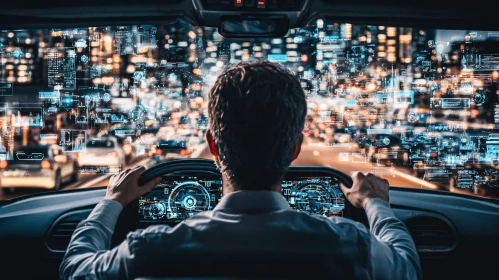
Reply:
x=416, y=106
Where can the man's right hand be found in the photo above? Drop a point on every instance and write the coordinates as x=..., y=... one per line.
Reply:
x=365, y=188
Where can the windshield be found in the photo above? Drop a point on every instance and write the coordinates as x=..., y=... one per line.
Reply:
x=415, y=106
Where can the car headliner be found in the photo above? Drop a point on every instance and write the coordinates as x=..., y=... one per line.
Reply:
x=421, y=13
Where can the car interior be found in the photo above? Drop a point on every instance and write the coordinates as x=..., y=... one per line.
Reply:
x=405, y=90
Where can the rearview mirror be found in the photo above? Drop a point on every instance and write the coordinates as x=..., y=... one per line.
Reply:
x=251, y=26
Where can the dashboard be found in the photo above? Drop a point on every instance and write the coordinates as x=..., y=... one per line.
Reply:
x=443, y=225
x=177, y=198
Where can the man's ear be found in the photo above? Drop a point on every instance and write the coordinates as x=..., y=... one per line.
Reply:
x=298, y=147
x=211, y=143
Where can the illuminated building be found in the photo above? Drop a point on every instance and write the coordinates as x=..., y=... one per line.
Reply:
x=405, y=45
x=387, y=43
x=19, y=57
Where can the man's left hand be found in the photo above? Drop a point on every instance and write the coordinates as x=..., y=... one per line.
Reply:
x=124, y=186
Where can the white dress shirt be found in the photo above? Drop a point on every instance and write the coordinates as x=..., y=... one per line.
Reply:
x=251, y=228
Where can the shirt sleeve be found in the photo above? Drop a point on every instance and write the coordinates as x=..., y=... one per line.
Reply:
x=88, y=255
x=393, y=253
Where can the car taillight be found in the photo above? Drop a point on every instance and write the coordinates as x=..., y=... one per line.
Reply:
x=111, y=154
x=45, y=164
x=127, y=148
x=159, y=152
x=3, y=164
x=184, y=152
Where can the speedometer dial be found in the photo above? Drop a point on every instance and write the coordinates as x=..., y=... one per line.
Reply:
x=154, y=210
x=311, y=198
x=188, y=199
x=316, y=198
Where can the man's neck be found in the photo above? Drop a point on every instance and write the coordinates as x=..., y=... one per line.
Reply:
x=229, y=188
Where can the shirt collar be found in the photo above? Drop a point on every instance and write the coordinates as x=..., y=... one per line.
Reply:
x=252, y=201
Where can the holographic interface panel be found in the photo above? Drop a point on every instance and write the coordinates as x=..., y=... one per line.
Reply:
x=311, y=195
x=177, y=198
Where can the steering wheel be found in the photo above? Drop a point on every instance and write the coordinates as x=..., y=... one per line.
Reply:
x=208, y=167
x=194, y=167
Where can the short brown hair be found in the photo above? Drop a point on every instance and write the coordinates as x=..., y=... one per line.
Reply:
x=257, y=114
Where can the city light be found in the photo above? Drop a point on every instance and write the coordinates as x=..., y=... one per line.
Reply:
x=411, y=84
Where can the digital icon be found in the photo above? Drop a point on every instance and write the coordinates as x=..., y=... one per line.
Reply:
x=479, y=98
x=84, y=59
x=73, y=140
x=137, y=114
x=106, y=97
x=412, y=117
x=138, y=76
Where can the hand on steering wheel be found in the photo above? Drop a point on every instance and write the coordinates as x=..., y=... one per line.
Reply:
x=365, y=188
x=124, y=186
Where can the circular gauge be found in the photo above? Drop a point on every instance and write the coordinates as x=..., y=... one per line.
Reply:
x=189, y=202
x=138, y=76
x=314, y=198
x=187, y=199
x=156, y=210
x=137, y=114
x=84, y=59
x=386, y=141
x=106, y=97
x=412, y=117
x=479, y=98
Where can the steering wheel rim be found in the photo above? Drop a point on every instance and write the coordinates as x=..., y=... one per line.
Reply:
x=189, y=165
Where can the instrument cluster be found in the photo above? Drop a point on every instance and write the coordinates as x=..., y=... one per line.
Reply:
x=177, y=198
x=315, y=195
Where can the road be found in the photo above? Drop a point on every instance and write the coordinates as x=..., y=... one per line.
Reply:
x=311, y=154
x=314, y=154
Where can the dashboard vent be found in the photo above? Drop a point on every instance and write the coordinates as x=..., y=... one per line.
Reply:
x=61, y=231
x=431, y=233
